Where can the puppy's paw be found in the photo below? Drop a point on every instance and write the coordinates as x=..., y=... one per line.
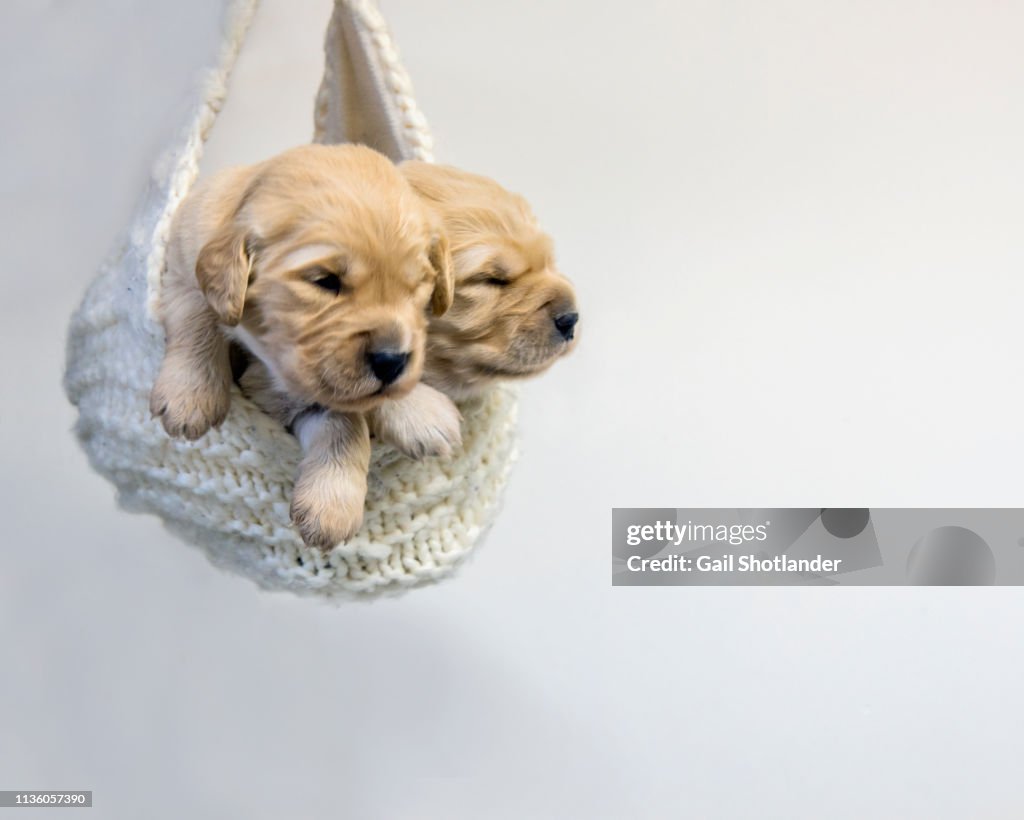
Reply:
x=327, y=505
x=424, y=423
x=186, y=403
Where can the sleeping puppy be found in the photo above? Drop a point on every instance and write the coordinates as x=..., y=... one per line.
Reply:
x=512, y=317
x=513, y=313
x=321, y=264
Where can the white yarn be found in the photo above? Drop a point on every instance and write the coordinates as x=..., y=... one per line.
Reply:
x=185, y=161
x=385, y=74
x=229, y=492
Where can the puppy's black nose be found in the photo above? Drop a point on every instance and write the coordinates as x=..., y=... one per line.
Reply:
x=386, y=364
x=566, y=324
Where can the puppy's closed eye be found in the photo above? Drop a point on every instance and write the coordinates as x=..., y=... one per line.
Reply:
x=494, y=277
x=326, y=280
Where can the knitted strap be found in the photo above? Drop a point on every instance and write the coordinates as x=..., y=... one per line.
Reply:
x=366, y=95
x=184, y=161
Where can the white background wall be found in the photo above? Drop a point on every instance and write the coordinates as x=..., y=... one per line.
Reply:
x=795, y=228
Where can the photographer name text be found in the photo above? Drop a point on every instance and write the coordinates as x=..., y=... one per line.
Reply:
x=733, y=563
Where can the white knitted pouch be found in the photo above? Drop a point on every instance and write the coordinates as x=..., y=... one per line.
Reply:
x=229, y=491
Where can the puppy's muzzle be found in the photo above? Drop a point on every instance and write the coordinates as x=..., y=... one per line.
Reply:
x=387, y=365
x=565, y=324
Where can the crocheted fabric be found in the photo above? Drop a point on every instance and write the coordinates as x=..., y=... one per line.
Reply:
x=229, y=492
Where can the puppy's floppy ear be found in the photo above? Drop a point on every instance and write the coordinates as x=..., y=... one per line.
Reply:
x=444, y=285
x=222, y=271
x=224, y=263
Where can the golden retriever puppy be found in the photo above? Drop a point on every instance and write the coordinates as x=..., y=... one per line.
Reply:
x=321, y=264
x=514, y=314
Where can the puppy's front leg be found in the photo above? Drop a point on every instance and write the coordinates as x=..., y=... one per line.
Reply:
x=330, y=489
x=425, y=422
x=192, y=392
